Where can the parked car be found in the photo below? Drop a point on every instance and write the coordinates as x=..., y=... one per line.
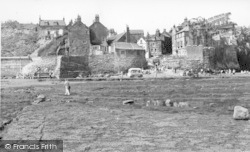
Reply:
x=135, y=72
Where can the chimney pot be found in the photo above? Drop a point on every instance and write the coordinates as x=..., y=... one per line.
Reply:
x=97, y=19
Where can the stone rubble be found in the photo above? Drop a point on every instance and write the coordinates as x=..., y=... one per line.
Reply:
x=128, y=102
x=40, y=98
x=240, y=113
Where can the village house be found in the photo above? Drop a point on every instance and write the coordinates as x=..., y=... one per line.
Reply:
x=98, y=37
x=159, y=44
x=124, y=49
x=202, y=32
x=143, y=43
x=131, y=36
x=223, y=28
x=135, y=35
x=49, y=29
x=78, y=38
x=129, y=55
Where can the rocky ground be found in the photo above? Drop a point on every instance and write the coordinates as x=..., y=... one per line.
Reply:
x=93, y=118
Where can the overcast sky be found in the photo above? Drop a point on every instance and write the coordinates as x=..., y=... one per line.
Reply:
x=138, y=14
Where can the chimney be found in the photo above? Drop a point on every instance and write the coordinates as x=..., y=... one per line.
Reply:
x=79, y=18
x=39, y=18
x=111, y=31
x=63, y=19
x=157, y=33
x=185, y=20
x=164, y=30
x=127, y=35
x=97, y=18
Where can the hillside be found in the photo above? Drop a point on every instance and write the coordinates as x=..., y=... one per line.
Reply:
x=18, y=39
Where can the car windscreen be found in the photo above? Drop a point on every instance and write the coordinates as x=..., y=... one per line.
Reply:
x=135, y=71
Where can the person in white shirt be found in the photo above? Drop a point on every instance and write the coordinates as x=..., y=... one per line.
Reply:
x=67, y=87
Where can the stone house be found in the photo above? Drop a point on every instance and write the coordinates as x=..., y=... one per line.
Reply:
x=201, y=32
x=135, y=35
x=159, y=44
x=188, y=34
x=98, y=36
x=129, y=55
x=49, y=29
x=79, y=38
x=131, y=36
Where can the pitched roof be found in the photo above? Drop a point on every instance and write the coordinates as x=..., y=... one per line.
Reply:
x=52, y=23
x=127, y=46
x=185, y=29
x=136, y=31
x=155, y=38
x=116, y=37
x=166, y=34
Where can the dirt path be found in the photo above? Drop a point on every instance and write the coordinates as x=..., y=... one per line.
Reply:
x=96, y=120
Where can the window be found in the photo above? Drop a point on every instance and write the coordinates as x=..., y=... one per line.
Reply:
x=141, y=41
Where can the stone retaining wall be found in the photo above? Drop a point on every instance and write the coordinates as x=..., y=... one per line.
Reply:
x=124, y=63
x=198, y=57
x=11, y=66
x=44, y=63
x=71, y=67
x=102, y=64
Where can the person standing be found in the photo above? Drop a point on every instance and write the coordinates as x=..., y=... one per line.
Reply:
x=67, y=87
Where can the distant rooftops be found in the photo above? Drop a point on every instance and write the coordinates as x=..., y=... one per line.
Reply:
x=118, y=36
x=52, y=22
x=136, y=31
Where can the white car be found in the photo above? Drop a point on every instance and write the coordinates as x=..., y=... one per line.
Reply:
x=135, y=72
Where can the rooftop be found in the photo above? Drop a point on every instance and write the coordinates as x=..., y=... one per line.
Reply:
x=127, y=46
x=52, y=23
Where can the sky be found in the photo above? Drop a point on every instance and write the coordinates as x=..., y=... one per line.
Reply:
x=147, y=15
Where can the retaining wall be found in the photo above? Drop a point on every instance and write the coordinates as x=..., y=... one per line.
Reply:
x=11, y=66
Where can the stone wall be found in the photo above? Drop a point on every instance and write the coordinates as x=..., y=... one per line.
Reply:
x=194, y=52
x=209, y=57
x=197, y=57
x=71, y=67
x=226, y=57
x=10, y=66
x=44, y=63
x=124, y=63
x=102, y=64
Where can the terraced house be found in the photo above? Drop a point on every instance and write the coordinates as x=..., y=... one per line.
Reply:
x=159, y=43
x=98, y=37
x=49, y=29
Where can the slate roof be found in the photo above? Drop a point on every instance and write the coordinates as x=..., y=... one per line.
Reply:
x=185, y=29
x=166, y=34
x=117, y=37
x=52, y=23
x=136, y=31
x=127, y=46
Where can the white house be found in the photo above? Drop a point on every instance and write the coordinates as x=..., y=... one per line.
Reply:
x=142, y=42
